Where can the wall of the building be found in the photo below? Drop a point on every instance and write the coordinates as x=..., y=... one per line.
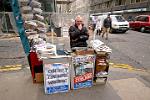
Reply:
x=62, y=8
x=102, y=6
x=48, y=5
x=80, y=6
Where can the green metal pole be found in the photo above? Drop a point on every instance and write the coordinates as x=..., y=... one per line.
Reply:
x=20, y=26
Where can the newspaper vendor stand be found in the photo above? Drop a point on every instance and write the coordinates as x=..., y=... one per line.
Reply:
x=82, y=69
x=102, y=61
x=56, y=72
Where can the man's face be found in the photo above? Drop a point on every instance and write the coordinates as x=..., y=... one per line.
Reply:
x=79, y=21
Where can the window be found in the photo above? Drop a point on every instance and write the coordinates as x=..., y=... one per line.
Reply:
x=100, y=6
x=103, y=5
x=120, y=19
x=97, y=6
x=108, y=4
x=146, y=19
x=138, y=0
x=93, y=7
x=143, y=18
x=117, y=2
x=123, y=2
x=138, y=18
x=132, y=1
x=120, y=2
x=143, y=0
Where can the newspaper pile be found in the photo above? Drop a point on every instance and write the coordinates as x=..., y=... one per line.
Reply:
x=98, y=46
x=34, y=25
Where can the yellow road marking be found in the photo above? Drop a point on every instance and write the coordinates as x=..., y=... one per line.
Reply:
x=125, y=66
x=10, y=68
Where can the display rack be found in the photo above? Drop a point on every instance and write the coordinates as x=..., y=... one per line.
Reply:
x=101, y=67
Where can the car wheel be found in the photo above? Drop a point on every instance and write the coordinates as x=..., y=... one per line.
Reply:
x=123, y=31
x=111, y=30
x=142, y=29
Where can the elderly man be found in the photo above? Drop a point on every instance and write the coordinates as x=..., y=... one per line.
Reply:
x=78, y=33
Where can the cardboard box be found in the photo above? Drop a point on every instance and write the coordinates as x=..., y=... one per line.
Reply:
x=102, y=54
x=101, y=68
x=100, y=65
x=39, y=78
x=84, y=52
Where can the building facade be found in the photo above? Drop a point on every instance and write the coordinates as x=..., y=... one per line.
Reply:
x=80, y=6
x=63, y=6
x=124, y=7
x=48, y=5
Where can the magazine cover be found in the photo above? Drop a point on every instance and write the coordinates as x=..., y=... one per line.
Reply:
x=56, y=78
x=83, y=68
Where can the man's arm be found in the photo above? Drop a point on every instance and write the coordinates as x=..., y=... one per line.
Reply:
x=110, y=23
x=84, y=34
x=73, y=32
x=85, y=31
x=104, y=21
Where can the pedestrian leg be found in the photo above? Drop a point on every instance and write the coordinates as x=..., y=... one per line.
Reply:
x=103, y=32
x=106, y=36
x=107, y=32
x=99, y=32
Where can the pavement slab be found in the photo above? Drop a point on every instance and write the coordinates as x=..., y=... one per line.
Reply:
x=121, y=85
x=18, y=85
x=124, y=83
x=131, y=89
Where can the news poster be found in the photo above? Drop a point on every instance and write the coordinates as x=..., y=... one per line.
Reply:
x=56, y=78
x=83, y=71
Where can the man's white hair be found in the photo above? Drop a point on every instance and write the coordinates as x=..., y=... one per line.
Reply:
x=78, y=17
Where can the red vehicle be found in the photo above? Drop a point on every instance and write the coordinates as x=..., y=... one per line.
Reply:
x=141, y=23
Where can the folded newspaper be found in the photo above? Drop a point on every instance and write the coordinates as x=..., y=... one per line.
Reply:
x=98, y=46
x=46, y=49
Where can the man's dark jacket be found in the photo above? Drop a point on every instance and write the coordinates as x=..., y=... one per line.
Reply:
x=107, y=22
x=78, y=37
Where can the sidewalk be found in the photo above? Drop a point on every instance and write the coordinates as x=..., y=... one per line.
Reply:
x=8, y=35
x=121, y=85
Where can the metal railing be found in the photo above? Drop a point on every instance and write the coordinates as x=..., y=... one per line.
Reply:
x=7, y=23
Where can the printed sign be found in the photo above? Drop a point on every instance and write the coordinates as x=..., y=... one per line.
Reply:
x=83, y=69
x=56, y=78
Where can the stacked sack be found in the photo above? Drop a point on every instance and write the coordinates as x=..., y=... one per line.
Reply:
x=34, y=26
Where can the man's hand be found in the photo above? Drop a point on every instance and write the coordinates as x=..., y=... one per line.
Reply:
x=80, y=27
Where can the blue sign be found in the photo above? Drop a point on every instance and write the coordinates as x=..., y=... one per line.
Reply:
x=85, y=84
x=56, y=89
x=56, y=78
